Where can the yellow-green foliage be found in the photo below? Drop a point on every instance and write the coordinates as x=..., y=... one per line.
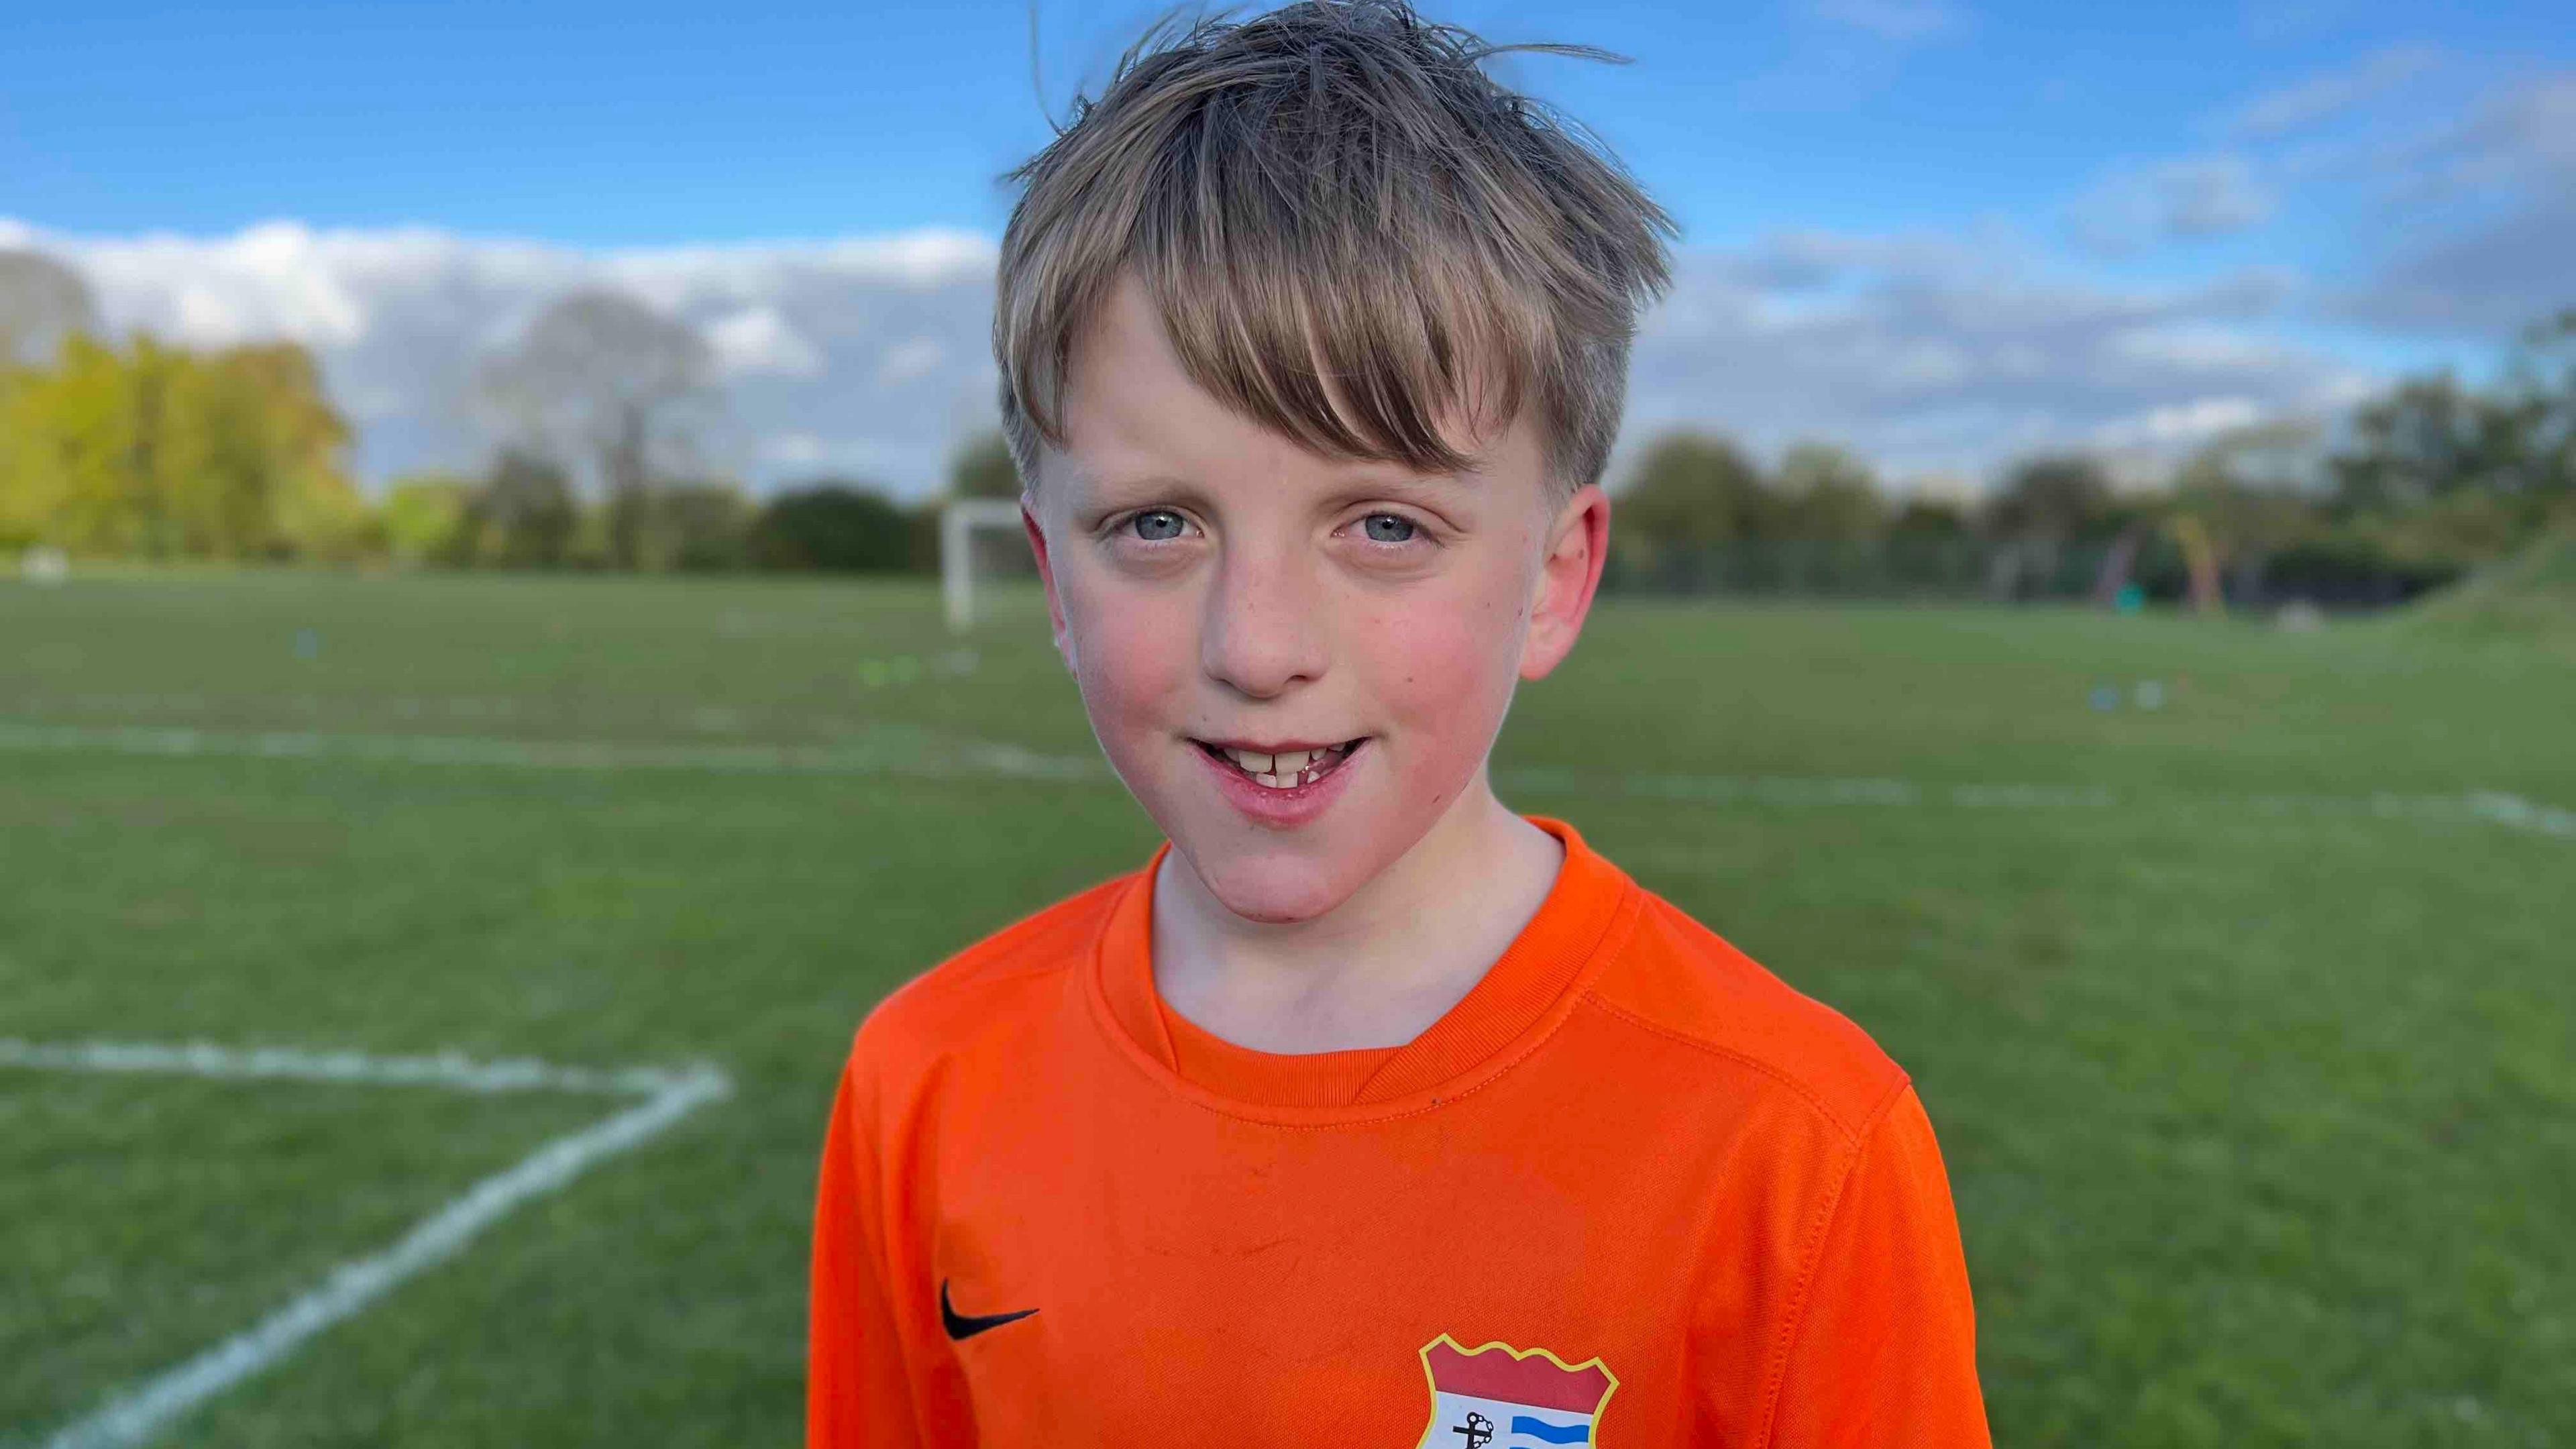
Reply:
x=425, y=519
x=151, y=451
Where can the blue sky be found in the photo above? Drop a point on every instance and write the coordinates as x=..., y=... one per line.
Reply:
x=604, y=124
x=2389, y=178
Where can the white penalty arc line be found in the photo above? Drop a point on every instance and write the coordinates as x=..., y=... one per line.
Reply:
x=137, y=1414
x=914, y=754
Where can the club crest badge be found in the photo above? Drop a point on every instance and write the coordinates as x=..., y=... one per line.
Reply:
x=1500, y=1397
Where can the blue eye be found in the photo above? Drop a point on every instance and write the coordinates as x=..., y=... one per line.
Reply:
x=1156, y=525
x=1388, y=528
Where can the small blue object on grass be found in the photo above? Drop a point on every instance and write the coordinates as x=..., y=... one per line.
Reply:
x=2104, y=698
x=2130, y=599
x=308, y=643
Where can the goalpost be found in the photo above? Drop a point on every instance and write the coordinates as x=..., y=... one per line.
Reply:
x=958, y=523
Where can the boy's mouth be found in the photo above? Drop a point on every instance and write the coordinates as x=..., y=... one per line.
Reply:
x=1282, y=768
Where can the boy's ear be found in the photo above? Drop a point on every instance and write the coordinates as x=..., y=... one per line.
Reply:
x=1569, y=573
x=1046, y=577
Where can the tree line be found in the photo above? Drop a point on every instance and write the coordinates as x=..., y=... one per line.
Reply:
x=2420, y=484
x=527, y=512
x=140, y=449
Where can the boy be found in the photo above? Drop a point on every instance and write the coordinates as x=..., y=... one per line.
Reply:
x=1368, y=1112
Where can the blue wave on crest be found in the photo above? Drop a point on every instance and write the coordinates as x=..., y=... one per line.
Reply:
x=1523, y=1424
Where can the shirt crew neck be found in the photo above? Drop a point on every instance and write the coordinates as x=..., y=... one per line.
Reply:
x=1270, y=1079
x=1517, y=998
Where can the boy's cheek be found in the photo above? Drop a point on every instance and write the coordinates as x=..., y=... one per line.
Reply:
x=1444, y=676
x=1130, y=660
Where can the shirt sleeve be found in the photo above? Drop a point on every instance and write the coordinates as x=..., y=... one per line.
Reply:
x=857, y=1395
x=1883, y=1350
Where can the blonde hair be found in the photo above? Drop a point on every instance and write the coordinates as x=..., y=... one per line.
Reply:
x=1351, y=233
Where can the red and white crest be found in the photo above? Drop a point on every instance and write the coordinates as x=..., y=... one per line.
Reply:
x=1500, y=1397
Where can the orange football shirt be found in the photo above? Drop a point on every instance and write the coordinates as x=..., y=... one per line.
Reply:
x=1631, y=1191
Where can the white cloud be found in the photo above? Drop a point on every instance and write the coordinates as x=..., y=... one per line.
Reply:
x=400, y=317
x=796, y=450
x=277, y=279
x=2509, y=169
x=757, y=340
x=2180, y=423
x=2327, y=96
x=911, y=358
x=1950, y=356
x=804, y=454
x=2205, y=346
x=2180, y=200
x=1938, y=352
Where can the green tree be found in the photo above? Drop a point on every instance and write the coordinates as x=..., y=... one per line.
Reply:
x=523, y=516
x=254, y=459
x=600, y=375
x=2246, y=488
x=1922, y=517
x=2431, y=437
x=66, y=446
x=697, y=527
x=983, y=469
x=1690, y=490
x=835, y=526
x=2054, y=498
x=1829, y=492
x=427, y=519
x=151, y=451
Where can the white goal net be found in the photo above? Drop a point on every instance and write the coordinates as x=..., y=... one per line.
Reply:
x=959, y=523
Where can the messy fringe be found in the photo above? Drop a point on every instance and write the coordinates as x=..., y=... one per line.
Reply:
x=1352, y=234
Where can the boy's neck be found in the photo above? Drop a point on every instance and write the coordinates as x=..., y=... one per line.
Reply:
x=1376, y=970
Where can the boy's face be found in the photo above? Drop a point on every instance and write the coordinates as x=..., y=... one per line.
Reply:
x=1222, y=593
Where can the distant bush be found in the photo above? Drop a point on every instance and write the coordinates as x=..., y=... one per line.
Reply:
x=696, y=528
x=834, y=527
x=2348, y=568
x=426, y=519
x=524, y=515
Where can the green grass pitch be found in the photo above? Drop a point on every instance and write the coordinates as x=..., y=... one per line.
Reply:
x=2250, y=1028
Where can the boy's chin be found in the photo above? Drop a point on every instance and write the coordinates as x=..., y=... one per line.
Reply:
x=1273, y=888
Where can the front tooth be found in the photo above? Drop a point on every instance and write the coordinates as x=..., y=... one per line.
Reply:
x=1290, y=762
x=1251, y=762
x=1273, y=781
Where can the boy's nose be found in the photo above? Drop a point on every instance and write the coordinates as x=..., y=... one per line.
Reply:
x=1261, y=634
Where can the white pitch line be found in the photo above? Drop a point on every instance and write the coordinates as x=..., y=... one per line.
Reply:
x=2521, y=814
x=902, y=752
x=139, y=1413
x=905, y=752
x=447, y=1069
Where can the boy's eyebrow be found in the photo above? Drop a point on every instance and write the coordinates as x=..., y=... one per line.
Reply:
x=1352, y=484
x=1122, y=489
x=1091, y=481
x=1359, y=485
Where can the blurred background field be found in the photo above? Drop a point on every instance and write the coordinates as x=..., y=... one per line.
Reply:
x=2241, y=1003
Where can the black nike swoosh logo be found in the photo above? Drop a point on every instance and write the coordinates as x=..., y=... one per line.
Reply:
x=966, y=1325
